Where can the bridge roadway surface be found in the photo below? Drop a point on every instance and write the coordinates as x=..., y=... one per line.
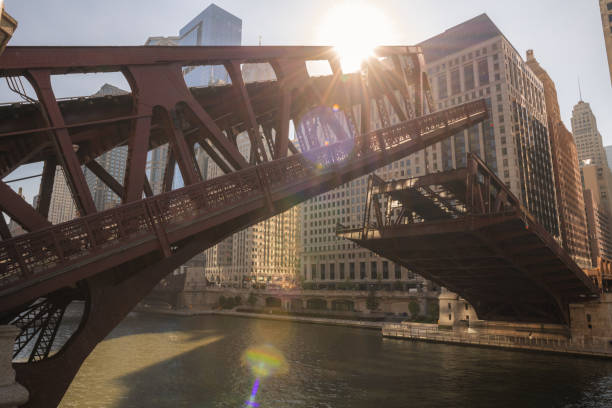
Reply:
x=111, y=259
x=466, y=231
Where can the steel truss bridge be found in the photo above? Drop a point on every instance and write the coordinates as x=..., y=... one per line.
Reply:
x=109, y=260
x=466, y=231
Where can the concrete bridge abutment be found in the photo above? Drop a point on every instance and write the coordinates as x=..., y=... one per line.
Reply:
x=12, y=394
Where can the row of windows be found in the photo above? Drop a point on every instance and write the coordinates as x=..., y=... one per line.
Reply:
x=328, y=271
x=468, y=75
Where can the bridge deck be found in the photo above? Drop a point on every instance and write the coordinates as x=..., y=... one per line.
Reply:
x=475, y=238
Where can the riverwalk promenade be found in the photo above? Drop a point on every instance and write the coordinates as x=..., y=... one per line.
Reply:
x=432, y=333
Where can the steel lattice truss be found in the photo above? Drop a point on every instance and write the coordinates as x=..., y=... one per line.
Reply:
x=111, y=259
x=466, y=231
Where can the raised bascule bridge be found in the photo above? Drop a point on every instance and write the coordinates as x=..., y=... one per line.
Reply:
x=466, y=231
x=109, y=260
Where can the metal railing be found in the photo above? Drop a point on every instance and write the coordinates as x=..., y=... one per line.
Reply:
x=537, y=342
x=46, y=250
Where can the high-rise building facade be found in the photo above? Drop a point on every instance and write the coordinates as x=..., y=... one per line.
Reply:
x=61, y=206
x=598, y=179
x=266, y=253
x=588, y=139
x=475, y=60
x=608, y=150
x=599, y=227
x=213, y=26
x=606, y=22
x=470, y=61
x=568, y=184
x=113, y=161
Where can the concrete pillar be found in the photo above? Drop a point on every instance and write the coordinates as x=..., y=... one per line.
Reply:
x=11, y=393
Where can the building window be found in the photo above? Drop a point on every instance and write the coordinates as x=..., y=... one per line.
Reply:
x=588, y=317
x=468, y=76
x=313, y=271
x=483, y=72
x=322, y=269
x=362, y=270
x=455, y=82
x=352, y=270
x=342, y=271
x=398, y=272
x=442, y=87
x=385, y=266
x=373, y=271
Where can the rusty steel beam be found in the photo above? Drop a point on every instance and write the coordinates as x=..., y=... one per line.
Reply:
x=105, y=177
x=233, y=68
x=19, y=210
x=64, y=59
x=41, y=81
x=179, y=148
x=46, y=186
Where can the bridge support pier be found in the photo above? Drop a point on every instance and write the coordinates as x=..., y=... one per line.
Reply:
x=12, y=394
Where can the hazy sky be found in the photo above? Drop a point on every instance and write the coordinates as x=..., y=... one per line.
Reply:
x=566, y=35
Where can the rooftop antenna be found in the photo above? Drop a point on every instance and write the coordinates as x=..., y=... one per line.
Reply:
x=579, y=89
x=260, y=40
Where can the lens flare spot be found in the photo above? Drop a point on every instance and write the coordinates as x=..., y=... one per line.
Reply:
x=264, y=361
x=336, y=107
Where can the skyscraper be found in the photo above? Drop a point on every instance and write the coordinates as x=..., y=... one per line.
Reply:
x=113, y=161
x=588, y=139
x=266, y=253
x=61, y=207
x=608, y=150
x=606, y=22
x=599, y=226
x=568, y=185
x=213, y=26
x=598, y=179
x=475, y=60
x=470, y=61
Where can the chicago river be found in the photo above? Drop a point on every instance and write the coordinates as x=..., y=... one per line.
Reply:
x=207, y=361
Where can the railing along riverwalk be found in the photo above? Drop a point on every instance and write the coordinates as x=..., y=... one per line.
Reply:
x=539, y=343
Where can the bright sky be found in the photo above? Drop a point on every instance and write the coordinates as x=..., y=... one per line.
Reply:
x=566, y=35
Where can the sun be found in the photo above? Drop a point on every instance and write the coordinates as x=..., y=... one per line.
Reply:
x=355, y=29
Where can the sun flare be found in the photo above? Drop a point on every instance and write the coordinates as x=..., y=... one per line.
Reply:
x=355, y=29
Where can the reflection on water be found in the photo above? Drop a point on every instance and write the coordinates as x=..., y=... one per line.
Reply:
x=159, y=361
